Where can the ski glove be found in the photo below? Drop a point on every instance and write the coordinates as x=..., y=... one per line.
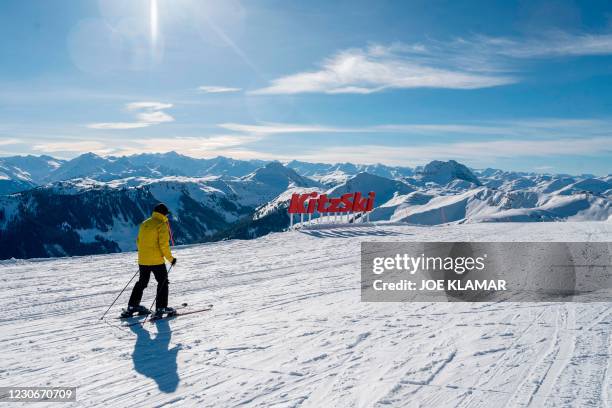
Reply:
x=173, y=261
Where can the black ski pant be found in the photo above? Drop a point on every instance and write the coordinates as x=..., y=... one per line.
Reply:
x=161, y=276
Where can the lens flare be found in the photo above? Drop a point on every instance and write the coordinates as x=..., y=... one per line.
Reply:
x=153, y=22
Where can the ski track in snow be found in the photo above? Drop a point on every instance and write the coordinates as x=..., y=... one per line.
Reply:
x=288, y=330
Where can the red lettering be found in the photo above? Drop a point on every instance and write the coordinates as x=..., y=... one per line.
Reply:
x=296, y=206
x=321, y=203
x=312, y=203
x=348, y=202
x=370, y=204
x=359, y=204
x=333, y=207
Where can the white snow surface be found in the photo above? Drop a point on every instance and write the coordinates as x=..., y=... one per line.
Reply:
x=288, y=329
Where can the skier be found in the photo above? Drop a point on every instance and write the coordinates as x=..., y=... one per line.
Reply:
x=153, y=246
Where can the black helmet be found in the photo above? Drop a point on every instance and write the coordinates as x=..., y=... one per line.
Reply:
x=161, y=208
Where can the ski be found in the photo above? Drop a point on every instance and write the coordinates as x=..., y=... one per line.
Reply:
x=177, y=314
x=136, y=315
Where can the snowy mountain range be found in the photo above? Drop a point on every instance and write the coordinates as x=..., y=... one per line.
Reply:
x=93, y=204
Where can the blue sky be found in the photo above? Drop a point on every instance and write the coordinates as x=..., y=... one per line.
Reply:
x=518, y=85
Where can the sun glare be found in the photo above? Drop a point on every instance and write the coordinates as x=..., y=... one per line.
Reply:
x=153, y=22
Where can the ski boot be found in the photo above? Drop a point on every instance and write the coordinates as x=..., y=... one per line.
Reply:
x=168, y=311
x=140, y=310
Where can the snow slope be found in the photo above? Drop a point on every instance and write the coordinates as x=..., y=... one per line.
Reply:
x=288, y=329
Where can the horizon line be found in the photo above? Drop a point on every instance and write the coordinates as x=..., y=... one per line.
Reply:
x=286, y=162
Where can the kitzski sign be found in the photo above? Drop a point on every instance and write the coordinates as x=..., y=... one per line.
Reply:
x=308, y=203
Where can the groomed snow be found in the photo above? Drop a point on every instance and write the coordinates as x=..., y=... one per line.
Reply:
x=288, y=329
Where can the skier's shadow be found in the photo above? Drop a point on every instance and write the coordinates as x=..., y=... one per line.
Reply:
x=153, y=359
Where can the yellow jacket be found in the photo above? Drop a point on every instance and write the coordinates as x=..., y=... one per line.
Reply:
x=153, y=240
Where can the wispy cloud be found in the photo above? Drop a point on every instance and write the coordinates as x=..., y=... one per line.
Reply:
x=378, y=67
x=472, y=152
x=552, y=44
x=118, y=125
x=72, y=146
x=6, y=142
x=239, y=146
x=234, y=145
x=285, y=128
x=476, y=144
x=198, y=144
x=154, y=106
x=535, y=137
x=289, y=128
x=147, y=114
x=204, y=146
x=218, y=89
x=460, y=63
x=538, y=127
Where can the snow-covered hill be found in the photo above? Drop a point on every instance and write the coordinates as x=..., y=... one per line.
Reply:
x=20, y=173
x=288, y=329
x=492, y=205
x=87, y=216
x=267, y=182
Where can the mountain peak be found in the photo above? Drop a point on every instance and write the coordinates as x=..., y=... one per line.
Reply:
x=365, y=182
x=443, y=172
x=276, y=165
x=88, y=155
x=172, y=153
x=274, y=173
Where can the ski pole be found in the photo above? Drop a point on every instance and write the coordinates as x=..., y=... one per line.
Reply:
x=120, y=293
x=155, y=299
